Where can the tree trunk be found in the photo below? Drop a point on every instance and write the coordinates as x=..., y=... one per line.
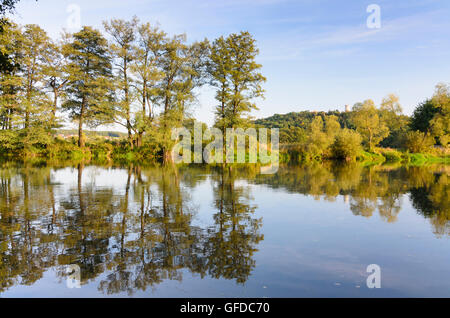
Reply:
x=80, y=125
x=127, y=100
x=167, y=157
x=130, y=134
x=139, y=139
x=81, y=143
x=27, y=119
x=55, y=105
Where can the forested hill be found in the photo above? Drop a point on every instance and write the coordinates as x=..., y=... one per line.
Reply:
x=302, y=119
x=295, y=127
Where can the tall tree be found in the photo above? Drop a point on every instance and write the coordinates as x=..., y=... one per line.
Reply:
x=123, y=35
x=148, y=52
x=235, y=74
x=181, y=68
x=6, y=6
x=89, y=89
x=56, y=76
x=422, y=115
x=368, y=123
x=440, y=124
x=391, y=114
x=391, y=103
x=11, y=44
x=35, y=48
x=321, y=134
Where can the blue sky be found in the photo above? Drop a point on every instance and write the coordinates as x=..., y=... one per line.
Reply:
x=316, y=54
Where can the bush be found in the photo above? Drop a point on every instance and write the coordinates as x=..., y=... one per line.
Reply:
x=100, y=149
x=347, y=145
x=370, y=157
x=417, y=141
x=8, y=141
x=60, y=149
x=391, y=155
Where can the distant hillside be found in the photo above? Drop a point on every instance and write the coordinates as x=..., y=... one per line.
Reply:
x=301, y=119
x=90, y=133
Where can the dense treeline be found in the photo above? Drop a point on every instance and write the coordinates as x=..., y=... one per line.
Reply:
x=345, y=135
x=133, y=74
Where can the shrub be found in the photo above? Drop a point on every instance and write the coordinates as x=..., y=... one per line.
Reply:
x=391, y=155
x=347, y=144
x=417, y=141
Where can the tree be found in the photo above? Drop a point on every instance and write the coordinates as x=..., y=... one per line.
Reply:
x=6, y=6
x=56, y=76
x=148, y=52
x=391, y=115
x=321, y=134
x=235, y=74
x=181, y=66
x=432, y=117
x=417, y=141
x=347, y=144
x=423, y=114
x=368, y=123
x=391, y=104
x=35, y=102
x=11, y=84
x=440, y=124
x=89, y=89
x=123, y=35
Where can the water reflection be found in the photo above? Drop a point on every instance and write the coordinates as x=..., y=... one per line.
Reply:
x=372, y=189
x=132, y=234
x=141, y=234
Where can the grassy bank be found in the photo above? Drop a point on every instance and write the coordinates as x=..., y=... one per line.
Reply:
x=99, y=150
x=119, y=151
x=378, y=156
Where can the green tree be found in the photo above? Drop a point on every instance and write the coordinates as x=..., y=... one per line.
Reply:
x=440, y=124
x=123, y=35
x=234, y=73
x=391, y=104
x=181, y=66
x=11, y=84
x=423, y=114
x=89, y=89
x=347, y=144
x=148, y=52
x=391, y=114
x=417, y=141
x=321, y=134
x=6, y=6
x=56, y=76
x=368, y=123
x=35, y=102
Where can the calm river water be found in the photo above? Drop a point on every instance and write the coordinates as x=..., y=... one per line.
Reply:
x=306, y=231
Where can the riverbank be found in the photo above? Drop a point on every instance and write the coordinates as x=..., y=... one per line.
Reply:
x=119, y=151
x=292, y=154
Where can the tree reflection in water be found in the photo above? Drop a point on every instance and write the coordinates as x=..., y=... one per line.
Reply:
x=375, y=188
x=143, y=232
